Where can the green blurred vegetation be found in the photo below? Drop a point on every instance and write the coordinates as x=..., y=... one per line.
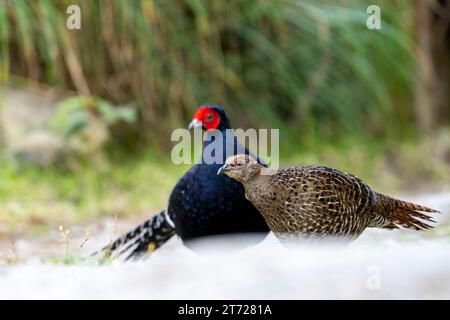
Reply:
x=309, y=67
x=73, y=114
x=342, y=95
x=39, y=198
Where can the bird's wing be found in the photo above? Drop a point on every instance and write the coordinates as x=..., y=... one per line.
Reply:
x=318, y=191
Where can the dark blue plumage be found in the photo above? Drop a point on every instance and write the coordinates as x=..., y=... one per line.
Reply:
x=202, y=203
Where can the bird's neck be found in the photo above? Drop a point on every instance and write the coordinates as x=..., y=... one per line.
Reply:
x=254, y=186
x=219, y=144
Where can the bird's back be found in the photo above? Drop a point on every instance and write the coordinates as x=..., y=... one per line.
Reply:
x=313, y=201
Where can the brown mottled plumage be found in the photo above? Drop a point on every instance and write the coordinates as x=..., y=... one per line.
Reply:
x=315, y=202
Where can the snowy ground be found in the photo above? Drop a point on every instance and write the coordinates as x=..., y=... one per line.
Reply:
x=380, y=264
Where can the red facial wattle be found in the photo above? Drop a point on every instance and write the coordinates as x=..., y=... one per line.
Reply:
x=208, y=117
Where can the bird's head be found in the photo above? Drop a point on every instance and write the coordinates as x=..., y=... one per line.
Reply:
x=210, y=117
x=241, y=167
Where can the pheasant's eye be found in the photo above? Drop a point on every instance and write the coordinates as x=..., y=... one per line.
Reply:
x=209, y=117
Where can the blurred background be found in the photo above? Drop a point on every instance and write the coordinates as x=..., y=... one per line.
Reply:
x=86, y=115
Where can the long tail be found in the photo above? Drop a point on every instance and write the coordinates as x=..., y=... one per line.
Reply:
x=144, y=239
x=392, y=214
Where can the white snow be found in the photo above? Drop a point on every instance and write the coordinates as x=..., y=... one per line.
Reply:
x=380, y=264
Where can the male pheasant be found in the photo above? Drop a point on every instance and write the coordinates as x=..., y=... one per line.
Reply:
x=201, y=203
x=316, y=202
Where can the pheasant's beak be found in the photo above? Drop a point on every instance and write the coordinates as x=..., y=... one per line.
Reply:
x=195, y=123
x=223, y=169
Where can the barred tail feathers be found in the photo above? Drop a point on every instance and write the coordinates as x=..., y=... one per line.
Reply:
x=145, y=238
x=397, y=213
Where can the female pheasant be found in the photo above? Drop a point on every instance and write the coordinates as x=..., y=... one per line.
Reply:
x=315, y=202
